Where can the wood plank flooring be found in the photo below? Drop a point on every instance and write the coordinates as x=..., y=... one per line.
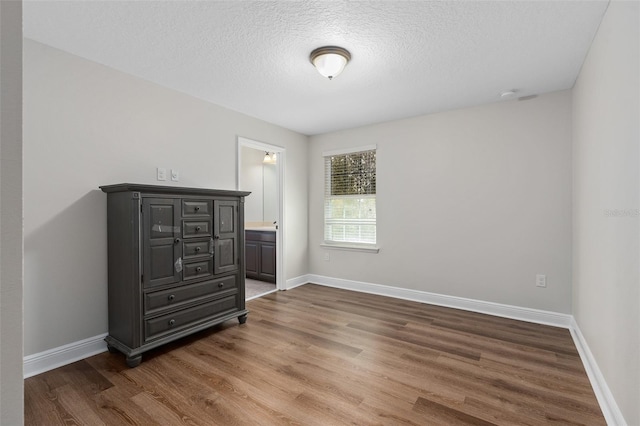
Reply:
x=321, y=356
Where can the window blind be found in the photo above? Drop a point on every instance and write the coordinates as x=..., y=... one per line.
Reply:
x=350, y=197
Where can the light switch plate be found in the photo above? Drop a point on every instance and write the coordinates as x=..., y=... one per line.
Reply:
x=175, y=175
x=161, y=173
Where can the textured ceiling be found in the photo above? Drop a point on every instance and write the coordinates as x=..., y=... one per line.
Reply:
x=408, y=58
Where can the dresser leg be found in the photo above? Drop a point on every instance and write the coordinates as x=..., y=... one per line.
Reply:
x=112, y=350
x=242, y=319
x=134, y=361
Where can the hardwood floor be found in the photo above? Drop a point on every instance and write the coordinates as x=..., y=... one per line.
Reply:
x=321, y=356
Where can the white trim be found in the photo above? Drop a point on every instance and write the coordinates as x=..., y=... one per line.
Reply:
x=297, y=281
x=282, y=219
x=261, y=146
x=63, y=355
x=490, y=308
x=337, y=246
x=608, y=405
x=349, y=150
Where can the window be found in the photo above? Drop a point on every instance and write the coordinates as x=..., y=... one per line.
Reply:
x=350, y=197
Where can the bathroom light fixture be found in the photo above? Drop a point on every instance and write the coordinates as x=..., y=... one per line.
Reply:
x=269, y=158
x=330, y=60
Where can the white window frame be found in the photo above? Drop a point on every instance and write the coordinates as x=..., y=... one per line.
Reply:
x=352, y=246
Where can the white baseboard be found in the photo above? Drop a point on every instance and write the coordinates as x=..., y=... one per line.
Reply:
x=608, y=405
x=490, y=308
x=297, y=281
x=63, y=355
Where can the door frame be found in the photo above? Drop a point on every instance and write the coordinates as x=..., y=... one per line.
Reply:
x=280, y=172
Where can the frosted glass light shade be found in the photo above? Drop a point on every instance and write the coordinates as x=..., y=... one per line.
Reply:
x=269, y=158
x=330, y=60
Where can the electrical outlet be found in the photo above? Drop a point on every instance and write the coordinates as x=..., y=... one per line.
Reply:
x=175, y=175
x=541, y=280
x=161, y=173
x=327, y=257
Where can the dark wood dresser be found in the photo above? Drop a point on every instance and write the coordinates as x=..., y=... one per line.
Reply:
x=176, y=263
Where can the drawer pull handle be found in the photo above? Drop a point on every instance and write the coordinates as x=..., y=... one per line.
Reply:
x=196, y=208
x=177, y=241
x=198, y=228
x=217, y=237
x=198, y=269
x=221, y=285
x=171, y=297
x=172, y=322
x=197, y=249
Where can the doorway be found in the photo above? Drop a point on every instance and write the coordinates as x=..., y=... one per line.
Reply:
x=264, y=214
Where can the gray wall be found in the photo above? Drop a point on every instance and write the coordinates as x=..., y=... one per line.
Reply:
x=606, y=199
x=87, y=125
x=11, y=275
x=471, y=203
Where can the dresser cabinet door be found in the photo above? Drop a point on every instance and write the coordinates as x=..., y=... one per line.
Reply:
x=225, y=235
x=162, y=248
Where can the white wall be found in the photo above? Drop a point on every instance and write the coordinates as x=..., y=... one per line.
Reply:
x=606, y=199
x=471, y=203
x=262, y=180
x=270, y=193
x=11, y=275
x=251, y=179
x=87, y=125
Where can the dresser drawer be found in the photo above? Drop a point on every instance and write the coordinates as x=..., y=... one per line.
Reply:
x=197, y=269
x=166, y=324
x=196, y=228
x=195, y=249
x=196, y=208
x=179, y=296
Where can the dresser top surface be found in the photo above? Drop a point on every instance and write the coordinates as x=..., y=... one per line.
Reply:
x=159, y=189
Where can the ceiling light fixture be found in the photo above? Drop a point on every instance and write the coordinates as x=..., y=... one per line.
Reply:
x=330, y=60
x=508, y=94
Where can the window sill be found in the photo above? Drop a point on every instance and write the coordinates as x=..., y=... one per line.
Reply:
x=350, y=247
